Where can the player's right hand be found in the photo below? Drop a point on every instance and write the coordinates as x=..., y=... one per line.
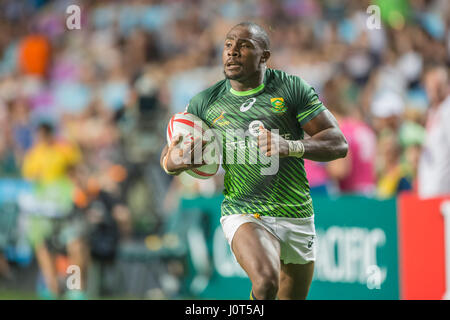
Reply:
x=185, y=155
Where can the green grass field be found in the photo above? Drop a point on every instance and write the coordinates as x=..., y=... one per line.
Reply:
x=17, y=295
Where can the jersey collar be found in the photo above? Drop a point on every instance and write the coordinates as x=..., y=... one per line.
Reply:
x=248, y=92
x=251, y=92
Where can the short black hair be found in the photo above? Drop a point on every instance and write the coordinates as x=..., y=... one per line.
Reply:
x=260, y=34
x=47, y=128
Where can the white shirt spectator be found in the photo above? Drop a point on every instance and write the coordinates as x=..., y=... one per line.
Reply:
x=434, y=165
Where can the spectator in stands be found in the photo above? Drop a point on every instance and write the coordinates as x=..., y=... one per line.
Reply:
x=434, y=166
x=356, y=172
x=48, y=164
x=8, y=160
x=19, y=111
x=34, y=56
x=394, y=175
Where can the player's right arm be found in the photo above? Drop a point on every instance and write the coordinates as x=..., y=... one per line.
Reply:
x=178, y=156
x=175, y=158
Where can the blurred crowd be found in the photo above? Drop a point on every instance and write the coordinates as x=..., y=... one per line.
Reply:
x=83, y=112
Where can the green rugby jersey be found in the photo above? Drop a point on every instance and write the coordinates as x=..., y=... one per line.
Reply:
x=282, y=102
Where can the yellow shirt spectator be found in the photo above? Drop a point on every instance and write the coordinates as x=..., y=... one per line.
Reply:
x=49, y=162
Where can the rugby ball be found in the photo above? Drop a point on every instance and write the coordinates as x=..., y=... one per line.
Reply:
x=190, y=127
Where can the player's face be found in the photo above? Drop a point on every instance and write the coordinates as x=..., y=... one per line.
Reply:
x=241, y=54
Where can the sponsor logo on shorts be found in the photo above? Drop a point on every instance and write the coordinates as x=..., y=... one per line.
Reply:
x=311, y=242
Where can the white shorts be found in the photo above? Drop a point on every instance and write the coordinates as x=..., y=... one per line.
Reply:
x=296, y=235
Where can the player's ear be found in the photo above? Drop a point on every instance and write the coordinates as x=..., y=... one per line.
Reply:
x=265, y=56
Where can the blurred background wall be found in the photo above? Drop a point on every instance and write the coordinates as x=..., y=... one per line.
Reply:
x=83, y=114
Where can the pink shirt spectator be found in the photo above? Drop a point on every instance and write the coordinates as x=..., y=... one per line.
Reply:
x=362, y=151
x=316, y=173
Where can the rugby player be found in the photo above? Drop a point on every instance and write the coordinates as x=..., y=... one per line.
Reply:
x=268, y=220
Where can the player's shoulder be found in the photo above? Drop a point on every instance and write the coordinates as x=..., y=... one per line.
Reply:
x=294, y=86
x=280, y=77
x=210, y=94
x=276, y=74
x=200, y=102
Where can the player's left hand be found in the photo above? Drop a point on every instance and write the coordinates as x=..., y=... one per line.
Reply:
x=271, y=144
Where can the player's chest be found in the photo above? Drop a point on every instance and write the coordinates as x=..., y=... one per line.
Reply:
x=244, y=113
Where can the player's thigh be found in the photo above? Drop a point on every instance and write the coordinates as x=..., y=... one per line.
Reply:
x=256, y=250
x=295, y=280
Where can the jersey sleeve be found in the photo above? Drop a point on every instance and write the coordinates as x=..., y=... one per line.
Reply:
x=197, y=106
x=194, y=108
x=306, y=101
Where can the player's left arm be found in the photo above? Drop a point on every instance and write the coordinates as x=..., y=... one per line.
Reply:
x=326, y=142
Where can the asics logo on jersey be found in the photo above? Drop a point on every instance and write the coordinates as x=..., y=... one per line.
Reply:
x=247, y=104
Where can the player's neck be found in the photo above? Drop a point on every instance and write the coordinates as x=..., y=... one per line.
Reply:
x=248, y=84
